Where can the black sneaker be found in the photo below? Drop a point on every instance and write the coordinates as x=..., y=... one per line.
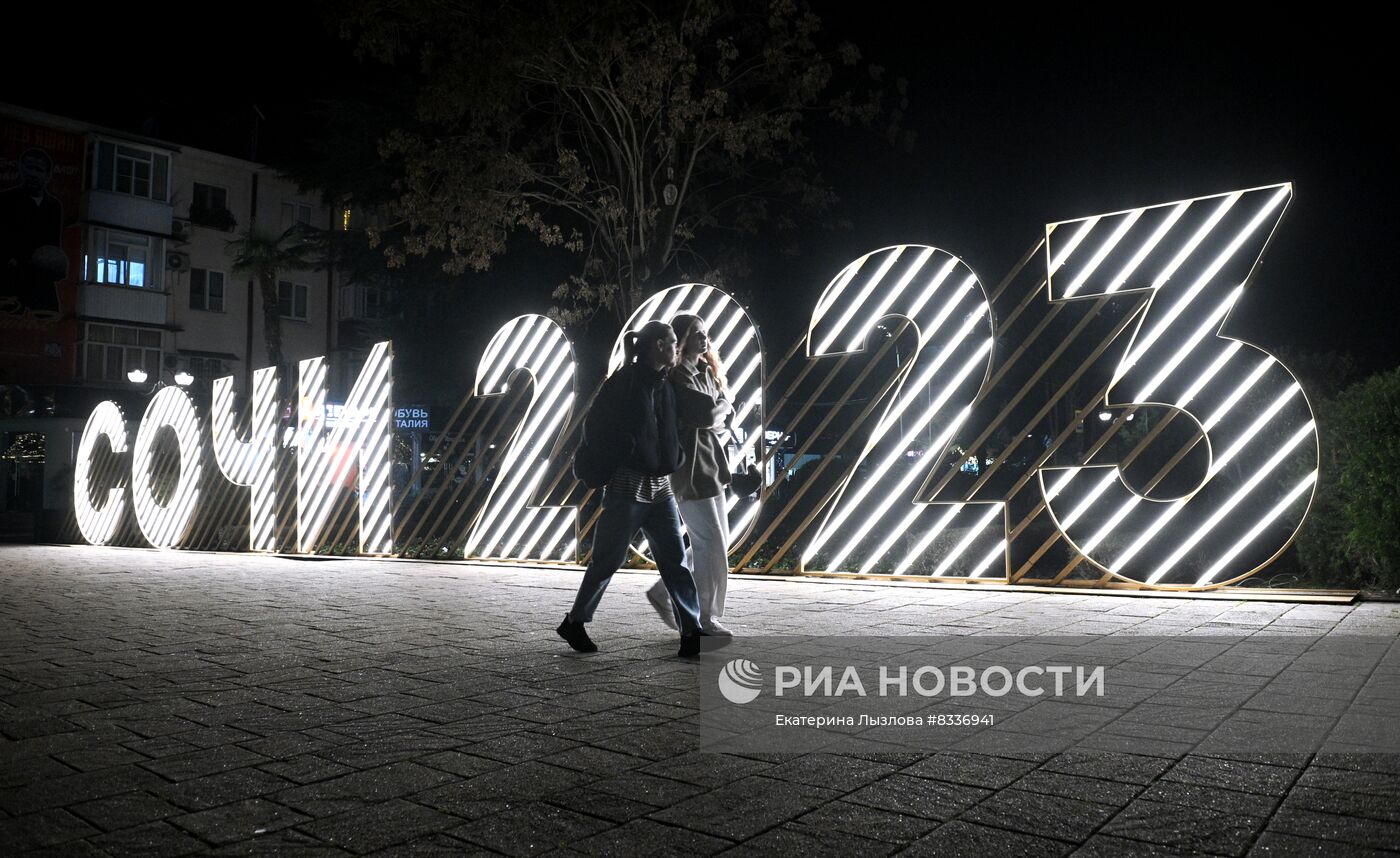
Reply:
x=690, y=645
x=577, y=637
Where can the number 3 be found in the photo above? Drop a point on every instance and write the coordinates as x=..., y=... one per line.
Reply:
x=1196, y=257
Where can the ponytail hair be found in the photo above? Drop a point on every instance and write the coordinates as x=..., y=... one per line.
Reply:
x=684, y=323
x=629, y=347
x=635, y=343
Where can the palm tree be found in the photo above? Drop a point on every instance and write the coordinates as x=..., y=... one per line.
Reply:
x=262, y=255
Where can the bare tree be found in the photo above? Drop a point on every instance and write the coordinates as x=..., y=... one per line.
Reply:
x=649, y=138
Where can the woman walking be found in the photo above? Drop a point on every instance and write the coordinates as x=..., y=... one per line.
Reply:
x=704, y=409
x=632, y=431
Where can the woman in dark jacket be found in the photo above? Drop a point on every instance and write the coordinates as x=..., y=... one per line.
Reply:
x=632, y=429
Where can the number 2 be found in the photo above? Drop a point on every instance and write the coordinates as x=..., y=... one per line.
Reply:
x=509, y=526
x=871, y=517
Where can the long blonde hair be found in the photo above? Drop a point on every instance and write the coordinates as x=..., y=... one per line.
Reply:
x=683, y=324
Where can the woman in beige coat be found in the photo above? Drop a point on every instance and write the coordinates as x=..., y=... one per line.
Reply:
x=703, y=409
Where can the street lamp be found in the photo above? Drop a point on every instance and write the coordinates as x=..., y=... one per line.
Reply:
x=1106, y=416
x=138, y=376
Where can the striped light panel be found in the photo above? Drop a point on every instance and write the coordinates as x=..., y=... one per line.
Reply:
x=165, y=522
x=98, y=523
x=252, y=462
x=352, y=455
x=511, y=525
x=1195, y=258
x=872, y=524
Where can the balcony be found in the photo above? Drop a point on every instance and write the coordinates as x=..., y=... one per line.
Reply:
x=123, y=303
x=216, y=217
x=124, y=210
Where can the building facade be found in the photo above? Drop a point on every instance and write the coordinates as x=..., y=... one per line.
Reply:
x=116, y=257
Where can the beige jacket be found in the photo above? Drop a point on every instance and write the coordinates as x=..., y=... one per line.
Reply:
x=702, y=410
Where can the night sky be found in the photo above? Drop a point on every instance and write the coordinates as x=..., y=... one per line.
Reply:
x=1019, y=122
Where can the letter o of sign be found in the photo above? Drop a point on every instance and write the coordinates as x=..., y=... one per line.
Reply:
x=165, y=524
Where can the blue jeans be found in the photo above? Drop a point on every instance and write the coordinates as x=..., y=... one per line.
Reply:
x=661, y=524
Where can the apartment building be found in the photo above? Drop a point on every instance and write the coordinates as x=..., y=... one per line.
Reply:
x=115, y=257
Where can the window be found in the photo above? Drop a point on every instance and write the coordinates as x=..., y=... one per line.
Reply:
x=206, y=290
x=129, y=170
x=291, y=300
x=362, y=302
x=209, y=207
x=123, y=259
x=205, y=369
x=295, y=213
x=209, y=197
x=345, y=220
x=110, y=351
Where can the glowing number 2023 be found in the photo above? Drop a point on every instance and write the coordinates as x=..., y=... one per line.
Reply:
x=1195, y=256
x=870, y=525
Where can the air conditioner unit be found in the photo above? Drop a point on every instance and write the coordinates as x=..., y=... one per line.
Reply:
x=180, y=230
x=177, y=261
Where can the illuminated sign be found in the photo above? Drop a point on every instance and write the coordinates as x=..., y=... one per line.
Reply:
x=98, y=522
x=353, y=455
x=510, y=526
x=165, y=518
x=1195, y=257
x=411, y=418
x=1088, y=418
x=874, y=515
x=406, y=418
x=165, y=488
x=253, y=462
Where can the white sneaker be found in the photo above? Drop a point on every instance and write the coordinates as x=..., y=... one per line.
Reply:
x=713, y=627
x=662, y=604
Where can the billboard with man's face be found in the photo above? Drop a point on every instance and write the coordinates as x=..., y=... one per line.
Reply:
x=41, y=171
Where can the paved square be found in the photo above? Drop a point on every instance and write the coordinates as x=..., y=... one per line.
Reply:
x=171, y=703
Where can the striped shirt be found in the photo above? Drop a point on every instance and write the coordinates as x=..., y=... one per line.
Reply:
x=637, y=486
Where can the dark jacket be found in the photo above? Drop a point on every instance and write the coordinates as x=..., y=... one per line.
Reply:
x=633, y=423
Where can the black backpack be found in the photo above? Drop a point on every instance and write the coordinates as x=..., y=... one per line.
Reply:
x=593, y=464
x=590, y=466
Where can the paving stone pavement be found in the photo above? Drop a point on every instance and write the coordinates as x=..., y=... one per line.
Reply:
x=172, y=703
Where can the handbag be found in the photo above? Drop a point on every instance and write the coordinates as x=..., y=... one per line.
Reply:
x=748, y=479
x=746, y=482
